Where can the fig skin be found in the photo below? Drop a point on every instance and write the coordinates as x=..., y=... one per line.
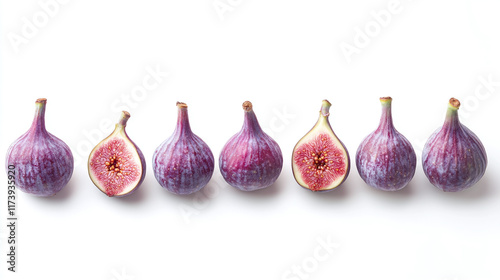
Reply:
x=133, y=165
x=454, y=158
x=183, y=164
x=385, y=159
x=320, y=161
x=251, y=159
x=43, y=163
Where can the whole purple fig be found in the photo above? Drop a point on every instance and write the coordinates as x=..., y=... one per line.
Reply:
x=251, y=159
x=454, y=158
x=385, y=159
x=43, y=163
x=183, y=163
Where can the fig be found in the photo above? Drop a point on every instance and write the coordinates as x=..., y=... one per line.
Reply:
x=43, y=163
x=320, y=161
x=183, y=164
x=251, y=159
x=385, y=159
x=116, y=165
x=454, y=158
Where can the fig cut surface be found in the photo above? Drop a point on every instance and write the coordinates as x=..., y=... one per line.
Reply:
x=320, y=162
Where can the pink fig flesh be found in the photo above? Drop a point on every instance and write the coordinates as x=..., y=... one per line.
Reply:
x=321, y=157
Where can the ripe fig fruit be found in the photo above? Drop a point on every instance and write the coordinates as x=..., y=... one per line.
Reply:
x=116, y=165
x=454, y=158
x=320, y=162
x=251, y=159
x=183, y=163
x=42, y=163
x=385, y=159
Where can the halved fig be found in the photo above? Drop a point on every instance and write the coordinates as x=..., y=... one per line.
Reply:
x=116, y=165
x=320, y=162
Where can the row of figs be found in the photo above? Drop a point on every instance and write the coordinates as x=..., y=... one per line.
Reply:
x=453, y=158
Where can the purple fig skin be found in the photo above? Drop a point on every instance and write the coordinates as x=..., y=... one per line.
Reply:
x=385, y=159
x=43, y=163
x=251, y=159
x=454, y=158
x=183, y=164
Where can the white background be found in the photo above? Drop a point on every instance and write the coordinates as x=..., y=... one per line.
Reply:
x=88, y=57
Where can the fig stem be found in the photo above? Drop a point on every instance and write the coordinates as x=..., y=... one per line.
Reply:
x=452, y=112
x=181, y=105
x=386, y=100
x=386, y=117
x=247, y=106
x=454, y=103
x=250, y=123
x=183, y=125
x=123, y=119
x=38, y=124
x=325, y=108
x=324, y=113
